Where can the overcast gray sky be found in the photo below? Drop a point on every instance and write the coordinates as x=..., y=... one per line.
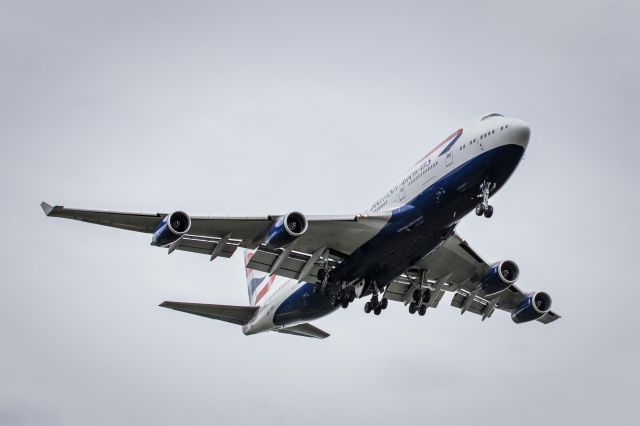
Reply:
x=265, y=107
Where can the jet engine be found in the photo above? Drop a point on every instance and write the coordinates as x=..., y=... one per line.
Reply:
x=533, y=307
x=171, y=228
x=286, y=229
x=500, y=277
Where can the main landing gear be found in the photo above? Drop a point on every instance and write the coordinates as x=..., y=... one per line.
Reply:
x=376, y=305
x=343, y=297
x=420, y=301
x=324, y=276
x=322, y=286
x=483, y=208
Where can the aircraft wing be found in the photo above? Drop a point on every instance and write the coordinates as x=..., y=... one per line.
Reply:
x=327, y=237
x=457, y=268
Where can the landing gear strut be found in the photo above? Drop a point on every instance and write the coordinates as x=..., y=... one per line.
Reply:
x=375, y=305
x=321, y=287
x=343, y=297
x=420, y=302
x=483, y=208
x=324, y=276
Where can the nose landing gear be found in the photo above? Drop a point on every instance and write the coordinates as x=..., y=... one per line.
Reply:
x=483, y=208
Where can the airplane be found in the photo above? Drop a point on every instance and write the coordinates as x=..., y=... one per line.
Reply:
x=404, y=248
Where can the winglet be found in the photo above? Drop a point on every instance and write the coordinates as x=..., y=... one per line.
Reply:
x=46, y=208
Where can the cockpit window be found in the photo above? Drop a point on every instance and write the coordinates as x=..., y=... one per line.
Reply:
x=493, y=114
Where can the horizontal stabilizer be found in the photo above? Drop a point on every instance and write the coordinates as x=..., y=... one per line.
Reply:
x=305, y=330
x=239, y=315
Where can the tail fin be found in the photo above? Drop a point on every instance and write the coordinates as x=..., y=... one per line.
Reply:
x=258, y=283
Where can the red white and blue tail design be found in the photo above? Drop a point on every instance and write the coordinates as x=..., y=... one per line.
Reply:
x=258, y=283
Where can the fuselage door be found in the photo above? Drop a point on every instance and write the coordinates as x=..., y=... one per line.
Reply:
x=449, y=157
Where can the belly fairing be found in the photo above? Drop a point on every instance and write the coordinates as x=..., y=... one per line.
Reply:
x=303, y=305
x=428, y=219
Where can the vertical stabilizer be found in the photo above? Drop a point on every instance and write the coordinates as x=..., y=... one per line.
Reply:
x=258, y=283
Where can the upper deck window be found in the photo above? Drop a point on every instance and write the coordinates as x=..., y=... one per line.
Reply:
x=493, y=114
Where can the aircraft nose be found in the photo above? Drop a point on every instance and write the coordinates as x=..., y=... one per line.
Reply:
x=520, y=132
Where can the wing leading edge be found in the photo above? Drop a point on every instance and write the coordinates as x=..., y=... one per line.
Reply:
x=327, y=237
x=342, y=234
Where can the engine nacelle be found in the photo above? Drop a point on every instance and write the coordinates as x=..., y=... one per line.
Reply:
x=171, y=228
x=286, y=229
x=533, y=307
x=500, y=277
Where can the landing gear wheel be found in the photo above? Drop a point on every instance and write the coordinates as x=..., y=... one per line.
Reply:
x=384, y=302
x=367, y=307
x=416, y=295
x=422, y=310
x=377, y=310
x=352, y=296
x=345, y=304
x=413, y=307
x=322, y=273
x=426, y=296
x=334, y=300
x=483, y=207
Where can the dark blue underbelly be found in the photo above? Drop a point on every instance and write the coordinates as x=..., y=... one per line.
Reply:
x=398, y=246
x=303, y=305
x=413, y=231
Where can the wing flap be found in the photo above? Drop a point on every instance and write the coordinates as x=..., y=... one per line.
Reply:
x=264, y=258
x=239, y=315
x=205, y=245
x=477, y=306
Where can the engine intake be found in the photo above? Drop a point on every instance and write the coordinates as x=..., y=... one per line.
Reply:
x=171, y=228
x=533, y=307
x=286, y=230
x=500, y=277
